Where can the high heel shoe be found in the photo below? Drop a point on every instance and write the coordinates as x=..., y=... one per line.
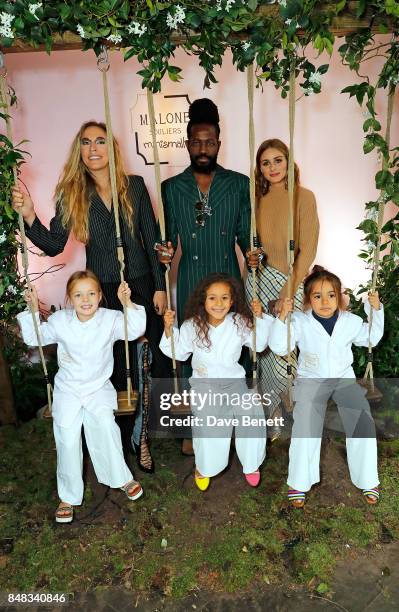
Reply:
x=145, y=462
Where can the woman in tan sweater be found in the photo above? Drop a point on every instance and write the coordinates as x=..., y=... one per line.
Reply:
x=272, y=228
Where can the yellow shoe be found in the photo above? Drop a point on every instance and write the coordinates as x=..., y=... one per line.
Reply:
x=202, y=482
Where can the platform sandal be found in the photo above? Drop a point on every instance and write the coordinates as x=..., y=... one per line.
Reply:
x=372, y=495
x=64, y=513
x=296, y=498
x=133, y=490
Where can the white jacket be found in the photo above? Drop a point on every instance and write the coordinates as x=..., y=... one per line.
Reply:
x=85, y=350
x=227, y=340
x=322, y=355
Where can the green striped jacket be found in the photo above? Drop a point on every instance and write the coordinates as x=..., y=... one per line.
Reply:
x=210, y=248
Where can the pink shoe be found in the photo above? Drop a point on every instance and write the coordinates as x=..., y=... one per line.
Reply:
x=253, y=479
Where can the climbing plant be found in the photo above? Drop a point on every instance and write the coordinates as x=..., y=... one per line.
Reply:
x=272, y=38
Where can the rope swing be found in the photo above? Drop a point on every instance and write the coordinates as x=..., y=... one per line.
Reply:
x=376, y=256
x=253, y=234
x=290, y=228
x=161, y=220
x=104, y=65
x=23, y=245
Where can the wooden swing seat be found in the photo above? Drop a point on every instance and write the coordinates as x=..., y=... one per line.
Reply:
x=123, y=406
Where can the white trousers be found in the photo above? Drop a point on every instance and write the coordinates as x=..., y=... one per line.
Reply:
x=211, y=443
x=103, y=441
x=361, y=446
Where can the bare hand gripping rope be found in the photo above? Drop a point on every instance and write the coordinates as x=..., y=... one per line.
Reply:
x=24, y=248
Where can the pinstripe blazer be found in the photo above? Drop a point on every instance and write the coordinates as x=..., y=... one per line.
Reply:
x=210, y=248
x=101, y=252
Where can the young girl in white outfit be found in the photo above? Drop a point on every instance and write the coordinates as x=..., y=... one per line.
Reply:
x=324, y=334
x=218, y=324
x=83, y=393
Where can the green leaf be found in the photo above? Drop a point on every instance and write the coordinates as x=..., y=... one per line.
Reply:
x=361, y=7
x=368, y=145
x=323, y=588
x=252, y=5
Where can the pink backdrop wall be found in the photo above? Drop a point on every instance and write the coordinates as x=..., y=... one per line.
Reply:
x=58, y=93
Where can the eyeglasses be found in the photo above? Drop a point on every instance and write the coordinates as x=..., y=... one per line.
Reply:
x=201, y=209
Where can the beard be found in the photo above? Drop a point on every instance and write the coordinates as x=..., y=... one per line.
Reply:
x=203, y=167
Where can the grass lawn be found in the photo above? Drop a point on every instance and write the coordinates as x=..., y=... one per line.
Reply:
x=175, y=538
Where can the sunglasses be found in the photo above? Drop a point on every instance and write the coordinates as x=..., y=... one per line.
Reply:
x=201, y=210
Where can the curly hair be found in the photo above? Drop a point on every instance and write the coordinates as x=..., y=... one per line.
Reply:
x=195, y=307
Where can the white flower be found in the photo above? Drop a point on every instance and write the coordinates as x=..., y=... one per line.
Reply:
x=282, y=3
x=12, y=290
x=366, y=114
x=33, y=8
x=372, y=214
x=308, y=91
x=3, y=238
x=394, y=80
x=245, y=45
x=136, y=28
x=370, y=246
x=229, y=4
x=315, y=78
x=81, y=31
x=179, y=16
x=5, y=27
x=218, y=5
x=114, y=38
x=288, y=22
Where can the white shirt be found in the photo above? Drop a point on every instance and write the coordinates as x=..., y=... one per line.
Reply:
x=85, y=348
x=220, y=360
x=322, y=355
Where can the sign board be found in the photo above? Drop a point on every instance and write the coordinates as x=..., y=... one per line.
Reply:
x=171, y=118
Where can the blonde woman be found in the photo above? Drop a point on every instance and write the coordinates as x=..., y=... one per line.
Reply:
x=84, y=208
x=271, y=175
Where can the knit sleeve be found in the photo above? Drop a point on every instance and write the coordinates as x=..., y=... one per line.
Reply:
x=307, y=237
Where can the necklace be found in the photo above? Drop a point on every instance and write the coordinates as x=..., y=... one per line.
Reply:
x=202, y=207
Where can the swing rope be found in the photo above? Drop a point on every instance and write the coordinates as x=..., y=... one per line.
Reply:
x=161, y=218
x=376, y=256
x=103, y=65
x=290, y=225
x=253, y=235
x=23, y=245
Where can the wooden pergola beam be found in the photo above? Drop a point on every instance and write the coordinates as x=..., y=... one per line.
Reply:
x=343, y=24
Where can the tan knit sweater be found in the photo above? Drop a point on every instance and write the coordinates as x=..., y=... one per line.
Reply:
x=271, y=223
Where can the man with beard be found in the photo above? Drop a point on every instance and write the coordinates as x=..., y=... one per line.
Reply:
x=206, y=206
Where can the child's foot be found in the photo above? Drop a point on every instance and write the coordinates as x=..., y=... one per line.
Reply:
x=202, y=482
x=64, y=513
x=372, y=495
x=133, y=490
x=253, y=479
x=296, y=498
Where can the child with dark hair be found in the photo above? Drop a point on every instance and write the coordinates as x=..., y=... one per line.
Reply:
x=324, y=334
x=218, y=324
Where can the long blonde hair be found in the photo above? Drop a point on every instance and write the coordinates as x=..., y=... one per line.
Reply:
x=76, y=186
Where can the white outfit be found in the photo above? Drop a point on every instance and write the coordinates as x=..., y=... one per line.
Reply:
x=324, y=371
x=83, y=393
x=216, y=371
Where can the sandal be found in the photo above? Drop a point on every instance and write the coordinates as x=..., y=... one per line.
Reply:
x=296, y=498
x=202, y=482
x=372, y=495
x=253, y=479
x=64, y=513
x=133, y=490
